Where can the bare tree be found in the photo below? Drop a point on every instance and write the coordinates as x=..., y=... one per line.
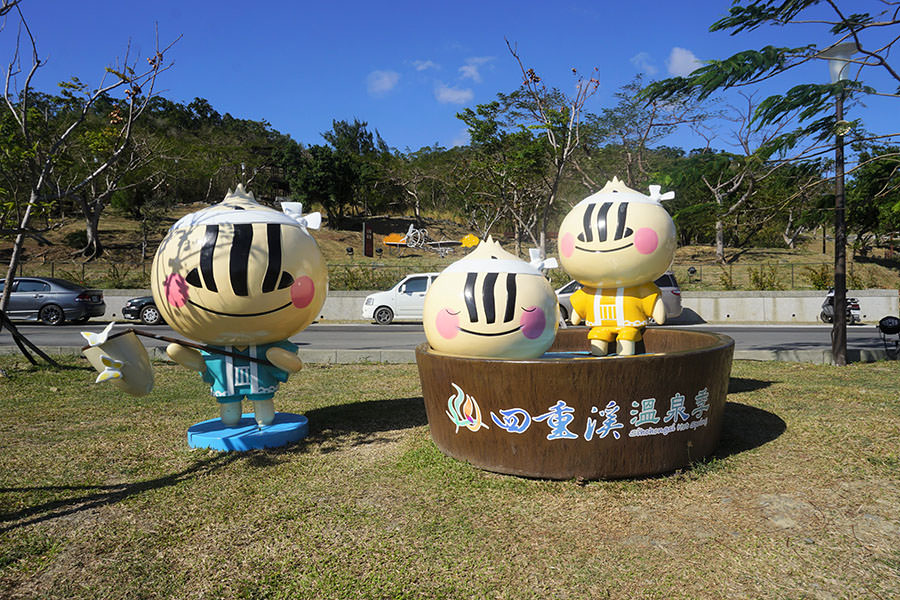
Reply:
x=632, y=127
x=559, y=118
x=7, y=5
x=138, y=89
x=137, y=86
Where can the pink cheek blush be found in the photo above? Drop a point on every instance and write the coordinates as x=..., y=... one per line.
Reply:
x=303, y=290
x=176, y=289
x=447, y=324
x=645, y=240
x=567, y=245
x=533, y=323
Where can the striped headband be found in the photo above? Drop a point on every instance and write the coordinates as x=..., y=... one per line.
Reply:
x=628, y=195
x=216, y=215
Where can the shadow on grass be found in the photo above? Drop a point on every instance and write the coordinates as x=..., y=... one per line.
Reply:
x=736, y=385
x=95, y=496
x=365, y=421
x=747, y=427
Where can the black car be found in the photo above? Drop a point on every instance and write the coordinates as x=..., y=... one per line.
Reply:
x=53, y=301
x=142, y=308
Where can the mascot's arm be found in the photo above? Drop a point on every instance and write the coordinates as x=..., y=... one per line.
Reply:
x=574, y=302
x=186, y=357
x=284, y=359
x=659, y=311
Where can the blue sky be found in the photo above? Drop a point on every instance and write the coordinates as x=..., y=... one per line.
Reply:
x=406, y=68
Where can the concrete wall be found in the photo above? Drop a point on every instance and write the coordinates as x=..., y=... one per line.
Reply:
x=779, y=307
x=712, y=307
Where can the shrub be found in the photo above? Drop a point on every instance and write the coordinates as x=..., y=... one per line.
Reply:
x=765, y=277
x=726, y=279
x=821, y=277
x=861, y=278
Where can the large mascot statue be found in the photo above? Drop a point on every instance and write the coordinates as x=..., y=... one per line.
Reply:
x=616, y=243
x=491, y=304
x=241, y=279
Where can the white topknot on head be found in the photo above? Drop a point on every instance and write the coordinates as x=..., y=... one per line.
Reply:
x=489, y=249
x=239, y=192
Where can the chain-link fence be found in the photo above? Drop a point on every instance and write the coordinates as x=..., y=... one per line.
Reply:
x=108, y=274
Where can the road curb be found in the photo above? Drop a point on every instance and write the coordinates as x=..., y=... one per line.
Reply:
x=349, y=357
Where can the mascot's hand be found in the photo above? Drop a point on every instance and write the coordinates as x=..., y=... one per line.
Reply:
x=186, y=357
x=284, y=359
x=575, y=317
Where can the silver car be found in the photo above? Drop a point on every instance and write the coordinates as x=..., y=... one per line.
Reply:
x=671, y=296
x=53, y=301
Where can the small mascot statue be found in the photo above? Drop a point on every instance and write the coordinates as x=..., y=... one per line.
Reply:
x=616, y=243
x=491, y=304
x=241, y=278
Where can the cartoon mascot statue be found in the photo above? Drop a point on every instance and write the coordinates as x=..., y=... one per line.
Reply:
x=240, y=278
x=616, y=243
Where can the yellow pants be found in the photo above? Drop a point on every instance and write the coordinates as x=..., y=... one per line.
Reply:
x=610, y=334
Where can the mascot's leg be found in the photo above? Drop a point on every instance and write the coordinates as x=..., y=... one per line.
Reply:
x=264, y=411
x=599, y=347
x=626, y=341
x=625, y=347
x=230, y=413
x=600, y=338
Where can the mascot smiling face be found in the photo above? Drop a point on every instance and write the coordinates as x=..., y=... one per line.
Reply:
x=617, y=238
x=239, y=273
x=491, y=304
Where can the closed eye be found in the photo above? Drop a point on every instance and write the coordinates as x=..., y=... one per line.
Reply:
x=450, y=312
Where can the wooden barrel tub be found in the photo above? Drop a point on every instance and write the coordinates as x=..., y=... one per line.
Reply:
x=566, y=415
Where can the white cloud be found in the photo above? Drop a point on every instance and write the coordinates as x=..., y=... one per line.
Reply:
x=643, y=62
x=471, y=70
x=451, y=95
x=682, y=62
x=381, y=82
x=424, y=65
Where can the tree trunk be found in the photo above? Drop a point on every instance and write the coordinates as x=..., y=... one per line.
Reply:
x=92, y=211
x=15, y=257
x=720, y=241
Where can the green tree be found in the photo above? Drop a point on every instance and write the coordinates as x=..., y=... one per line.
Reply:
x=348, y=174
x=872, y=34
x=506, y=165
x=873, y=197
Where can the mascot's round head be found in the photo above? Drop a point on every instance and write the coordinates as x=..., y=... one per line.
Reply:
x=240, y=273
x=491, y=304
x=617, y=237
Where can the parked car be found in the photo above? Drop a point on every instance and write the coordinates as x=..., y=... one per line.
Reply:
x=142, y=308
x=404, y=301
x=671, y=296
x=53, y=301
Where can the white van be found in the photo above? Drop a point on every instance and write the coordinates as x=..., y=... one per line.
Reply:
x=405, y=301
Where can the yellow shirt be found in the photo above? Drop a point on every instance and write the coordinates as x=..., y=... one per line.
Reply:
x=616, y=311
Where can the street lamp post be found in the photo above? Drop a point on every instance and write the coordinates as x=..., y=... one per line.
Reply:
x=838, y=59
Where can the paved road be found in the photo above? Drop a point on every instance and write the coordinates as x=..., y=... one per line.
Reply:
x=408, y=336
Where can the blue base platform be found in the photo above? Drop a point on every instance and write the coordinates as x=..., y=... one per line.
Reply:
x=247, y=435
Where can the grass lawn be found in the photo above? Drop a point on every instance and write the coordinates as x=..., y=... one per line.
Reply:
x=100, y=497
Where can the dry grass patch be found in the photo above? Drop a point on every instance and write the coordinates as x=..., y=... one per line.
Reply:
x=101, y=498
